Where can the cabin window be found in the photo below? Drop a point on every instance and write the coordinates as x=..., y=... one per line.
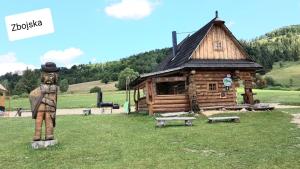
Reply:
x=212, y=86
x=218, y=45
x=170, y=88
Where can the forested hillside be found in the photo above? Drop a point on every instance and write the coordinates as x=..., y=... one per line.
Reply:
x=278, y=46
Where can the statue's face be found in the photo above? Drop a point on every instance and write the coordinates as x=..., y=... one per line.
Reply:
x=49, y=78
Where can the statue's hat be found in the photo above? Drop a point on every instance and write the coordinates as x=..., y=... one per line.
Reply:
x=49, y=67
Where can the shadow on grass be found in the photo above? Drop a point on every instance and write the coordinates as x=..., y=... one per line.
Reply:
x=174, y=126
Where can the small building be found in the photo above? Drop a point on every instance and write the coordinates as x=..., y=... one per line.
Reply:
x=204, y=69
x=3, y=92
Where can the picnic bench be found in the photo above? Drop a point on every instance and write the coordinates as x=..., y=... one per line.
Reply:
x=174, y=114
x=224, y=119
x=20, y=111
x=161, y=121
x=87, y=112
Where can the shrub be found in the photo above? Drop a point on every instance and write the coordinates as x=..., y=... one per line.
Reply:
x=15, y=97
x=95, y=89
x=64, y=85
x=105, y=78
x=270, y=81
x=260, y=83
x=24, y=95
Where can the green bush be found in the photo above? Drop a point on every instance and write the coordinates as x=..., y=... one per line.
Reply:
x=270, y=81
x=105, y=78
x=15, y=97
x=24, y=95
x=64, y=85
x=95, y=89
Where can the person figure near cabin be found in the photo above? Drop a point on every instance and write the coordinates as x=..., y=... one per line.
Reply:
x=43, y=102
x=227, y=81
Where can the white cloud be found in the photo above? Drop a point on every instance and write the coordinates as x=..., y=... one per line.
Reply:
x=131, y=9
x=9, y=63
x=62, y=57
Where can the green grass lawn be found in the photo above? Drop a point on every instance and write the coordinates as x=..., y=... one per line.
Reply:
x=81, y=100
x=78, y=100
x=276, y=96
x=260, y=140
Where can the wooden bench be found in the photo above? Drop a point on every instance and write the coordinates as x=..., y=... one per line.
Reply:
x=20, y=111
x=161, y=121
x=224, y=119
x=173, y=114
x=87, y=112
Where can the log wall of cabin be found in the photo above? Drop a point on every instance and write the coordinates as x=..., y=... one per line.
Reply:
x=154, y=103
x=171, y=103
x=142, y=104
x=230, y=49
x=208, y=98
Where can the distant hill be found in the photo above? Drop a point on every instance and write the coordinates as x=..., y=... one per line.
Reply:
x=279, y=45
x=286, y=73
x=85, y=87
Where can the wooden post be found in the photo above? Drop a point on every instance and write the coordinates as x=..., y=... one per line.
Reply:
x=129, y=105
x=149, y=96
x=135, y=100
x=248, y=98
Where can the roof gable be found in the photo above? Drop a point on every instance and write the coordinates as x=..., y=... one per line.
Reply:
x=219, y=43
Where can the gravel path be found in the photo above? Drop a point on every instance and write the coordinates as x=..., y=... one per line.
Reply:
x=296, y=119
x=77, y=111
x=97, y=111
x=276, y=105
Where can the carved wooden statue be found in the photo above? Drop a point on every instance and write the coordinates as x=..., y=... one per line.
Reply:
x=43, y=102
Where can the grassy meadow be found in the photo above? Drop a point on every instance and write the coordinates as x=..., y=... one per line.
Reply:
x=287, y=71
x=260, y=140
x=82, y=100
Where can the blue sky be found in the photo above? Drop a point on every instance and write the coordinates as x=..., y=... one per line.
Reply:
x=105, y=30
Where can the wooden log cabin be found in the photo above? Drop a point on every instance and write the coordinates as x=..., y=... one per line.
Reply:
x=204, y=69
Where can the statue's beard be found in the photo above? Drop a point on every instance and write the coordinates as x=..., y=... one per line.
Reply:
x=49, y=81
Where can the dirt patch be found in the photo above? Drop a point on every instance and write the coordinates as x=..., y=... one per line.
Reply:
x=79, y=111
x=276, y=105
x=213, y=112
x=296, y=119
x=279, y=106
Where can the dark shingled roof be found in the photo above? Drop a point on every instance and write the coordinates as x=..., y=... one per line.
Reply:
x=187, y=46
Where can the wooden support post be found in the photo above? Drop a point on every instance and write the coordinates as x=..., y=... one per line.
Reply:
x=248, y=97
x=136, y=102
x=150, y=96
